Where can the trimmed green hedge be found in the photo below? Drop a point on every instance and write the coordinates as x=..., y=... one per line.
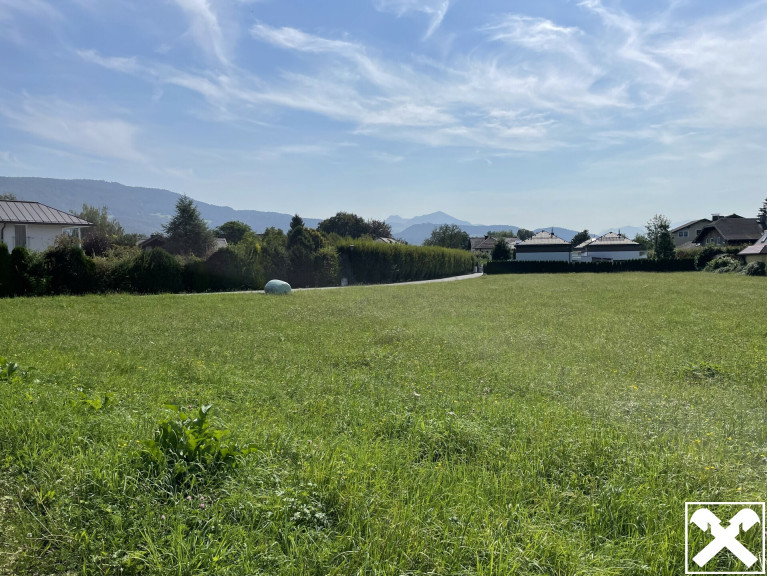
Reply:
x=365, y=262
x=531, y=267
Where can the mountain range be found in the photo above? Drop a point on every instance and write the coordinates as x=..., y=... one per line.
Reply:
x=145, y=210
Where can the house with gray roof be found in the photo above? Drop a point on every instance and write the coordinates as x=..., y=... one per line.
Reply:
x=687, y=232
x=544, y=247
x=608, y=247
x=730, y=231
x=485, y=244
x=757, y=252
x=34, y=225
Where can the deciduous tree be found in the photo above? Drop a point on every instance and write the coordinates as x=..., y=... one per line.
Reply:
x=449, y=236
x=233, y=231
x=660, y=238
x=501, y=250
x=580, y=237
x=525, y=234
x=345, y=224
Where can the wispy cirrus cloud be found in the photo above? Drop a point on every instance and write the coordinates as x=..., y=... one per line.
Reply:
x=76, y=127
x=205, y=27
x=292, y=39
x=506, y=93
x=435, y=10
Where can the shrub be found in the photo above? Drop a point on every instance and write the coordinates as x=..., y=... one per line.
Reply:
x=29, y=276
x=327, y=267
x=154, y=271
x=708, y=253
x=226, y=270
x=6, y=272
x=754, y=269
x=70, y=270
x=375, y=262
x=195, y=276
x=96, y=244
x=723, y=264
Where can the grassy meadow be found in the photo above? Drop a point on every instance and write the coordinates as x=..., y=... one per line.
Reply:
x=525, y=425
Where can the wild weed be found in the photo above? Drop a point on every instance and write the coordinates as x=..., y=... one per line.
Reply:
x=188, y=448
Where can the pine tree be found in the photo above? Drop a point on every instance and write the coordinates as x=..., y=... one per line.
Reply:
x=187, y=232
x=762, y=215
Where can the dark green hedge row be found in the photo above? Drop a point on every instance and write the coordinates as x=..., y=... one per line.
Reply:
x=67, y=270
x=376, y=262
x=525, y=267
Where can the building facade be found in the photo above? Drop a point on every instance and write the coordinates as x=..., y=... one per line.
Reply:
x=35, y=226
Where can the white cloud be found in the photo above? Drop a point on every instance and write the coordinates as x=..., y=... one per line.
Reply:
x=434, y=9
x=506, y=93
x=205, y=27
x=76, y=127
x=293, y=39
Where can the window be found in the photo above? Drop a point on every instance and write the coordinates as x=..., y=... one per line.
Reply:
x=684, y=233
x=21, y=236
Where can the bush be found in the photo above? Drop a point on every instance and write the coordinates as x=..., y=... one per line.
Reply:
x=70, y=270
x=327, y=267
x=226, y=271
x=6, y=272
x=723, y=264
x=29, y=277
x=709, y=252
x=112, y=271
x=754, y=269
x=96, y=244
x=195, y=276
x=154, y=271
x=375, y=262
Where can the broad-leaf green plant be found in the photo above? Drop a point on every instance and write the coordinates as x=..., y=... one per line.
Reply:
x=190, y=449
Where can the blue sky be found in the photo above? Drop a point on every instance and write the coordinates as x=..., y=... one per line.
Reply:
x=583, y=113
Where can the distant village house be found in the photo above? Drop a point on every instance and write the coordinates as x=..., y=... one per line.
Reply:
x=35, y=226
x=729, y=231
x=607, y=248
x=757, y=252
x=544, y=247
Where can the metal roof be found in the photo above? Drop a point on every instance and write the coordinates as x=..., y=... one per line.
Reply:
x=543, y=237
x=609, y=239
x=23, y=212
x=759, y=247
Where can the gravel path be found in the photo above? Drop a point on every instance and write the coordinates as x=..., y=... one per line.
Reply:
x=451, y=279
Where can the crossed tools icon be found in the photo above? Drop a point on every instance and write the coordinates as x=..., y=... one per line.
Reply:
x=704, y=519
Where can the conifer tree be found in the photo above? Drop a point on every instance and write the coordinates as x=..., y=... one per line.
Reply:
x=187, y=233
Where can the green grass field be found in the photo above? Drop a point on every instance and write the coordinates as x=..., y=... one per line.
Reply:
x=504, y=425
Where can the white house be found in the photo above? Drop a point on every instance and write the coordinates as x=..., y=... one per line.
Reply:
x=35, y=225
x=544, y=247
x=608, y=247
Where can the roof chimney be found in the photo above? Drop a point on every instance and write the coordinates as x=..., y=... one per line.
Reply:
x=715, y=217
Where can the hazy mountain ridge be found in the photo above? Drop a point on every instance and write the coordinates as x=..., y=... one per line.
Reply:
x=141, y=210
x=145, y=210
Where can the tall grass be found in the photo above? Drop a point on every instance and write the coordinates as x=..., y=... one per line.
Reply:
x=505, y=425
